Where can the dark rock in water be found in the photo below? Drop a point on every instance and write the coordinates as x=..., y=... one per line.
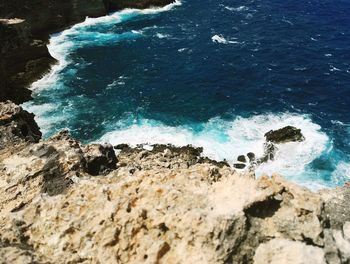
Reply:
x=251, y=156
x=285, y=134
x=269, y=153
x=100, y=159
x=121, y=146
x=241, y=158
x=239, y=165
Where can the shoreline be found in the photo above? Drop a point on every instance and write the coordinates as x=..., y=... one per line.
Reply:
x=49, y=186
x=24, y=54
x=62, y=201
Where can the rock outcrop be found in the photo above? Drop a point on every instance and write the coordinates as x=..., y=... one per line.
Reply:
x=273, y=139
x=285, y=134
x=16, y=126
x=64, y=202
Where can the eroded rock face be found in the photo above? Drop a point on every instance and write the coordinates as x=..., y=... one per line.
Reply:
x=50, y=167
x=64, y=202
x=23, y=59
x=100, y=159
x=285, y=134
x=16, y=125
x=165, y=205
x=278, y=251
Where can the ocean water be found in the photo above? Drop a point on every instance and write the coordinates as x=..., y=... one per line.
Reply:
x=216, y=74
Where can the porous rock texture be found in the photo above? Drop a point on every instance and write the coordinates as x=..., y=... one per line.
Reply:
x=165, y=205
x=16, y=125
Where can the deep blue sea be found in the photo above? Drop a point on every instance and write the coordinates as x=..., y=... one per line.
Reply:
x=217, y=74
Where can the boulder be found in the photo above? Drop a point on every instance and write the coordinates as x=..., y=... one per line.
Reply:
x=100, y=159
x=16, y=125
x=251, y=156
x=269, y=153
x=239, y=165
x=241, y=158
x=285, y=134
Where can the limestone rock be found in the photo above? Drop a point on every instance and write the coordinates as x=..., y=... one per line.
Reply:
x=278, y=251
x=65, y=202
x=15, y=255
x=100, y=159
x=50, y=167
x=16, y=125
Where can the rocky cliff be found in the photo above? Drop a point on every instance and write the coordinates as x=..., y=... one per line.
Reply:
x=64, y=202
x=24, y=29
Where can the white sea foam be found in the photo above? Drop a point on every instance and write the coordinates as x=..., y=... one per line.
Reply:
x=341, y=173
x=227, y=139
x=41, y=115
x=161, y=36
x=222, y=40
x=236, y=9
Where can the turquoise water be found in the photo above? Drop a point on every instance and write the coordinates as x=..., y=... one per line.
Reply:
x=216, y=74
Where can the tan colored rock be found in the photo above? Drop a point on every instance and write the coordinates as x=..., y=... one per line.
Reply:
x=278, y=251
x=64, y=202
x=16, y=255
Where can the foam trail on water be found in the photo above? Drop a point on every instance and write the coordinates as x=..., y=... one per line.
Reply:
x=222, y=40
x=227, y=139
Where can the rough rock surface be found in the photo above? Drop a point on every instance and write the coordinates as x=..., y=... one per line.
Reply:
x=16, y=125
x=165, y=205
x=278, y=251
x=285, y=134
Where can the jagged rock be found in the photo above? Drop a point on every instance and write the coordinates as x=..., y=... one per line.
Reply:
x=251, y=156
x=169, y=209
x=346, y=230
x=278, y=251
x=269, y=153
x=241, y=158
x=239, y=165
x=336, y=205
x=285, y=134
x=122, y=146
x=100, y=159
x=49, y=167
x=15, y=255
x=16, y=125
x=165, y=205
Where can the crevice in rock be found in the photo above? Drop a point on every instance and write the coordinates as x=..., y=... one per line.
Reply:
x=263, y=209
